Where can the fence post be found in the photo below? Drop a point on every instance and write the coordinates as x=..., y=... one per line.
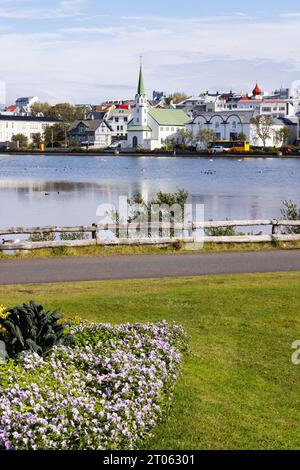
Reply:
x=97, y=235
x=275, y=229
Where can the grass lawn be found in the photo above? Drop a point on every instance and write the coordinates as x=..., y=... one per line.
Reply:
x=239, y=389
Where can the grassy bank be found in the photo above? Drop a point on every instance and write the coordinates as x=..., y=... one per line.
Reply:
x=239, y=389
x=150, y=250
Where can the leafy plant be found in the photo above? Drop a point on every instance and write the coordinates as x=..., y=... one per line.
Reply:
x=42, y=237
x=291, y=211
x=73, y=236
x=30, y=328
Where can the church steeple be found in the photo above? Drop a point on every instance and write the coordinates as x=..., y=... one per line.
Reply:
x=141, y=86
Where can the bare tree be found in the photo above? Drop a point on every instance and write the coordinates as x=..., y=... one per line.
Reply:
x=205, y=136
x=263, y=126
x=186, y=136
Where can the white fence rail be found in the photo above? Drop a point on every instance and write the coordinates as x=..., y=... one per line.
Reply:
x=93, y=234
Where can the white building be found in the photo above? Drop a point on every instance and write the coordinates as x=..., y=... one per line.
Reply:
x=152, y=128
x=229, y=125
x=118, y=119
x=26, y=125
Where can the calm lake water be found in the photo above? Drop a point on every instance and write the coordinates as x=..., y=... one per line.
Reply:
x=247, y=189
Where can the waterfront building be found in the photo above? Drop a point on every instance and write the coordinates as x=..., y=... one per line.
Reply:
x=95, y=133
x=11, y=125
x=118, y=119
x=151, y=128
x=230, y=125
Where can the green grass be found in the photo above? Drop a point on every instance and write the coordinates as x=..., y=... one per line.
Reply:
x=148, y=250
x=239, y=389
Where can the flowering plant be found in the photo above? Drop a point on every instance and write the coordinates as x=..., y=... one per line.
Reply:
x=106, y=392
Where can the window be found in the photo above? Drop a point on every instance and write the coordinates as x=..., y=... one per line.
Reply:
x=167, y=129
x=172, y=129
x=125, y=119
x=116, y=119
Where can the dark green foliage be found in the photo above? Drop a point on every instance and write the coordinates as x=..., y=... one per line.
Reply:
x=291, y=212
x=30, y=327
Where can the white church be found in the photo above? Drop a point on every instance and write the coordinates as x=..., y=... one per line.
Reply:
x=152, y=128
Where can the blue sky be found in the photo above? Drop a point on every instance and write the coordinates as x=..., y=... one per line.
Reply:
x=88, y=50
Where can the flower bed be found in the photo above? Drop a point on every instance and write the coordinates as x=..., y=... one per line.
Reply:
x=108, y=391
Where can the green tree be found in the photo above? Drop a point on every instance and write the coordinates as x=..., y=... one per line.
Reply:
x=67, y=112
x=40, y=108
x=20, y=141
x=55, y=134
x=242, y=137
x=205, y=136
x=37, y=139
x=283, y=135
x=176, y=98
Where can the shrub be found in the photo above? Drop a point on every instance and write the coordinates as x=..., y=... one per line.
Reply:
x=291, y=211
x=42, y=237
x=107, y=392
x=30, y=327
x=72, y=236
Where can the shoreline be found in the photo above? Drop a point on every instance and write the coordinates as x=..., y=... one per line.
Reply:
x=151, y=155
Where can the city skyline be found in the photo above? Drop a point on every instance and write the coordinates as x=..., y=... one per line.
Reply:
x=87, y=51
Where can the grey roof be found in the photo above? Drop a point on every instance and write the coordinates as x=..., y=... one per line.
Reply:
x=91, y=124
x=244, y=116
x=4, y=117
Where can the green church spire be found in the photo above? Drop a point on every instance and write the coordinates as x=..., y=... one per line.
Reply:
x=141, y=87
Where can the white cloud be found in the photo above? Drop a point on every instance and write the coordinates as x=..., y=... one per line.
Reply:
x=179, y=53
x=64, y=9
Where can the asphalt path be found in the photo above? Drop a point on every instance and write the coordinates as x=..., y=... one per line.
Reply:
x=31, y=271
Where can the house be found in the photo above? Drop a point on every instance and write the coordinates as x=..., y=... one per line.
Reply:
x=11, y=125
x=229, y=125
x=91, y=133
x=118, y=119
x=151, y=128
x=26, y=102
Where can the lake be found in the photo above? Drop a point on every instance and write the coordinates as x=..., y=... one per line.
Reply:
x=251, y=188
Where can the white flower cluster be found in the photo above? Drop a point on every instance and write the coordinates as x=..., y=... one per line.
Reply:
x=107, y=392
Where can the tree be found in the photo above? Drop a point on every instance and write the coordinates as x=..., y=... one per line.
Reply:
x=283, y=135
x=186, y=136
x=55, y=134
x=176, y=98
x=242, y=137
x=67, y=112
x=263, y=127
x=20, y=141
x=205, y=136
x=37, y=139
x=40, y=108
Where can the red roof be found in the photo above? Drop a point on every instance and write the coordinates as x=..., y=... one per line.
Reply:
x=257, y=91
x=11, y=108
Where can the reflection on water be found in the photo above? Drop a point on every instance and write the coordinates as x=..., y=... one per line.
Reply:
x=43, y=190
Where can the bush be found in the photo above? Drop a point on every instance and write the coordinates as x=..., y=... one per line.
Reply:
x=106, y=392
x=42, y=237
x=291, y=211
x=30, y=328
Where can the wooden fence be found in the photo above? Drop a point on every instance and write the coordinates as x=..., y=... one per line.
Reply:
x=189, y=234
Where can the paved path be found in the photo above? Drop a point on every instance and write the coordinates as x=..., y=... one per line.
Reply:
x=145, y=266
